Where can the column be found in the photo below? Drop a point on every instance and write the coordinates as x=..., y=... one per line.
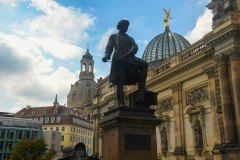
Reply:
x=212, y=92
x=178, y=123
x=96, y=135
x=235, y=73
x=229, y=134
x=100, y=151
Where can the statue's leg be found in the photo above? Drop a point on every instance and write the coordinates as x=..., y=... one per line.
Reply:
x=143, y=68
x=120, y=95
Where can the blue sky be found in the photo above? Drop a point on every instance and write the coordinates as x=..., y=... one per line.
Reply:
x=42, y=41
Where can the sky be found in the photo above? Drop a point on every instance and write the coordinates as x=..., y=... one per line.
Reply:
x=42, y=41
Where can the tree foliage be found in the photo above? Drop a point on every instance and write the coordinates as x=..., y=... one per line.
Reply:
x=31, y=149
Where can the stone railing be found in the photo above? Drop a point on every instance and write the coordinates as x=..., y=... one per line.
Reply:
x=192, y=50
x=182, y=56
x=162, y=68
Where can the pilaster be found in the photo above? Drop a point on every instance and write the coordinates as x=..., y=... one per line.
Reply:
x=179, y=128
x=229, y=134
x=234, y=58
x=213, y=99
x=96, y=118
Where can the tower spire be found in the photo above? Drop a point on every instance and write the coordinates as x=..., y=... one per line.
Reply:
x=88, y=48
x=55, y=103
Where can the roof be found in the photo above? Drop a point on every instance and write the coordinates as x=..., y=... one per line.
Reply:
x=20, y=122
x=87, y=55
x=66, y=115
x=164, y=45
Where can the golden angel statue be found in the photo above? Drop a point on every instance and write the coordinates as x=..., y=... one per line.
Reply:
x=167, y=14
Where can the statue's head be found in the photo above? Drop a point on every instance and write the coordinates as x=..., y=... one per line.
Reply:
x=80, y=151
x=123, y=25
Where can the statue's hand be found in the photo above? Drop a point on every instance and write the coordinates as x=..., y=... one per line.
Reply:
x=105, y=59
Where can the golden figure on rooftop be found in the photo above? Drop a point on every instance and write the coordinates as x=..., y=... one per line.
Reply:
x=165, y=20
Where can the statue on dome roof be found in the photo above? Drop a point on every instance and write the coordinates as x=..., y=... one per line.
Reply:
x=165, y=20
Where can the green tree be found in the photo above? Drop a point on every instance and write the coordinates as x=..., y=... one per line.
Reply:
x=49, y=154
x=31, y=149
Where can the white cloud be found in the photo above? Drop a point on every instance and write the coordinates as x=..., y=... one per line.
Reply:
x=59, y=29
x=30, y=78
x=15, y=109
x=39, y=85
x=144, y=42
x=9, y=2
x=58, y=48
x=58, y=21
x=202, y=27
x=104, y=39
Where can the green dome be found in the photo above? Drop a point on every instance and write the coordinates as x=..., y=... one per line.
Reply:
x=164, y=45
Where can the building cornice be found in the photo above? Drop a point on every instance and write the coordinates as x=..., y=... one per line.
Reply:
x=234, y=53
x=193, y=61
x=223, y=34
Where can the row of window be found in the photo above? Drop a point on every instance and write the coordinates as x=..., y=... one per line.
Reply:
x=7, y=147
x=48, y=119
x=56, y=129
x=82, y=123
x=34, y=113
x=19, y=134
x=79, y=130
x=9, y=137
x=73, y=129
x=78, y=139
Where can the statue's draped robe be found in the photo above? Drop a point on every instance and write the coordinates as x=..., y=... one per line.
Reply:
x=124, y=69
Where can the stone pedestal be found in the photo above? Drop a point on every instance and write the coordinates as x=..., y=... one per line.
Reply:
x=129, y=134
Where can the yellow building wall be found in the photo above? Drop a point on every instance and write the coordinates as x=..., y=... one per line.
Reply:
x=73, y=135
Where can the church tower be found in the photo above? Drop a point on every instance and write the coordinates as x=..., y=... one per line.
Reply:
x=83, y=91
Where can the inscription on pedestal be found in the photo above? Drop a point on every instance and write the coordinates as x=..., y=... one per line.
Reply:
x=133, y=141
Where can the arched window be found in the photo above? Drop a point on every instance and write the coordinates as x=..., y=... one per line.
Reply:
x=90, y=67
x=83, y=67
x=74, y=96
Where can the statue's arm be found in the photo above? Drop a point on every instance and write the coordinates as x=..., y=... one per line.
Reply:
x=109, y=47
x=134, y=48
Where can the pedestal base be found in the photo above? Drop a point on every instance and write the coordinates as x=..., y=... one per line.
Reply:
x=129, y=134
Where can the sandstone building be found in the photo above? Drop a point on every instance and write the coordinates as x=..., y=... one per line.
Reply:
x=198, y=91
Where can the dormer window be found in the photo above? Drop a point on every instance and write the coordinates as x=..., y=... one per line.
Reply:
x=22, y=113
x=44, y=112
x=46, y=119
x=33, y=113
x=52, y=119
x=58, y=119
x=41, y=119
x=55, y=111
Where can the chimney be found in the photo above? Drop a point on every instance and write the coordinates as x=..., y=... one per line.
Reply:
x=28, y=107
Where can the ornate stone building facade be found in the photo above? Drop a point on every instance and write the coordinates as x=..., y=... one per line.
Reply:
x=198, y=94
x=84, y=90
